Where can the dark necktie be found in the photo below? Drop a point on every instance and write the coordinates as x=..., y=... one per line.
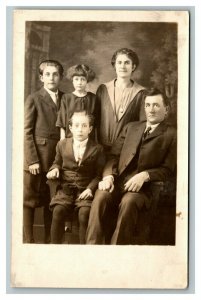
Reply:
x=147, y=132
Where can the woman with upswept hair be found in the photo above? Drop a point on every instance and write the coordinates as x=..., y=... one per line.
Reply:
x=119, y=101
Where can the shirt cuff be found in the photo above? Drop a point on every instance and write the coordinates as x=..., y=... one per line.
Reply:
x=147, y=177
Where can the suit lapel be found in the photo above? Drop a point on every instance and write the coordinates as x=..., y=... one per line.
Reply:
x=135, y=137
x=158, y=131
x=90, y=148
x=47, y=99
x=69, y=149
x=132, y=143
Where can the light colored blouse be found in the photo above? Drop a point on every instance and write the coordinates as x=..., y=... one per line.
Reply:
x=117, y=109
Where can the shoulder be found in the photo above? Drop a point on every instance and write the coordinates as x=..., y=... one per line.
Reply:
x=105, y=88
x=170, y=130
x=133, y=125
x=60, y=93
x=64, y=142
x=91, y=95
x=102, y=87
x=96, y=145
x=34, y=98
x=67, y=96
x=109, y=84
x=138, y=86
x=35, y=94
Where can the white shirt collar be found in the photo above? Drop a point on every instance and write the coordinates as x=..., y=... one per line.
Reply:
x=152, y=126
x=51, y=92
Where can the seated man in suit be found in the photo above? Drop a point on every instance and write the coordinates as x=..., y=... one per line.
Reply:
x=143, y=153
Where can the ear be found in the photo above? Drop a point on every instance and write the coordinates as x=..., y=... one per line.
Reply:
x=90, y=129
x=167, y=109
x=41, y=78
x=70, y=127
x=134, y=67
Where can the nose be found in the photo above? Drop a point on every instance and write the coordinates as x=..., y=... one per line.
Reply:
x=152, y=108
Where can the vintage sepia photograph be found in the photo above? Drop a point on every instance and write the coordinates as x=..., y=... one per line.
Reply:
x=100, y=149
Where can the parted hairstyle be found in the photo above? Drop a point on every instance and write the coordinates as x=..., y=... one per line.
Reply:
x=82, y=112
x=153, y=92
x=130, y=53
x=80, y=70
x=50, y=62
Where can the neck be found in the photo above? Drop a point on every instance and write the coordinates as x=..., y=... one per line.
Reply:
x=80, y=94
x=123, y=82
x=74, y=139
x=155, y=124
x=53, y=91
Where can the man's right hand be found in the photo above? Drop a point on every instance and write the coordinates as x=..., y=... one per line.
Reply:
x=53, y=174
x=107, y=184
x=34, y=169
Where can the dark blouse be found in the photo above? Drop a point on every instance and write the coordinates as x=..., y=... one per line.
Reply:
x=71, y=103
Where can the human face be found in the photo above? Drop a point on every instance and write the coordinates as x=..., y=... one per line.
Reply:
x=51, y=78
x=80, y=128
x=79, y=83
x=155, y=109
x=124, y=66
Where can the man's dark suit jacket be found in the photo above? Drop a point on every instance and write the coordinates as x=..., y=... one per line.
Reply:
x=88, y=173
x=157, y=154
x=40, y=132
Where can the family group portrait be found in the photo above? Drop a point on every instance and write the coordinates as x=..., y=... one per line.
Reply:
x=100, y=133
x=101, y=120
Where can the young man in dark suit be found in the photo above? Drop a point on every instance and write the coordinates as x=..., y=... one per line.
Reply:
x=40, y=138
x=143, y=153
x=78, y=164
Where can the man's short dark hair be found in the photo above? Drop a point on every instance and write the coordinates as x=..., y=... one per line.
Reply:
x=153, y=92
x=50, y=62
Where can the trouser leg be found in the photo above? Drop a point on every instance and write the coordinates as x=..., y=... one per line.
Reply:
x=127, y=218
x=58, y=223
x=83, y=217
x=97, y=217
x=47, y=216
x=28, y=221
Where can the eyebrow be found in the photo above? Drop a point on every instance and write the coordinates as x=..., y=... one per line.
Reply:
x=128, y=60
x=152, y=103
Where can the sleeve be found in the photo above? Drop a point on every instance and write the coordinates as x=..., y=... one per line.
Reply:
x=61, y=119
x=58, y=161
x=141, y=109
x=97, y=112
x=30, y=115
x=167, y=168
x=100, y=162
x=138, y=113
